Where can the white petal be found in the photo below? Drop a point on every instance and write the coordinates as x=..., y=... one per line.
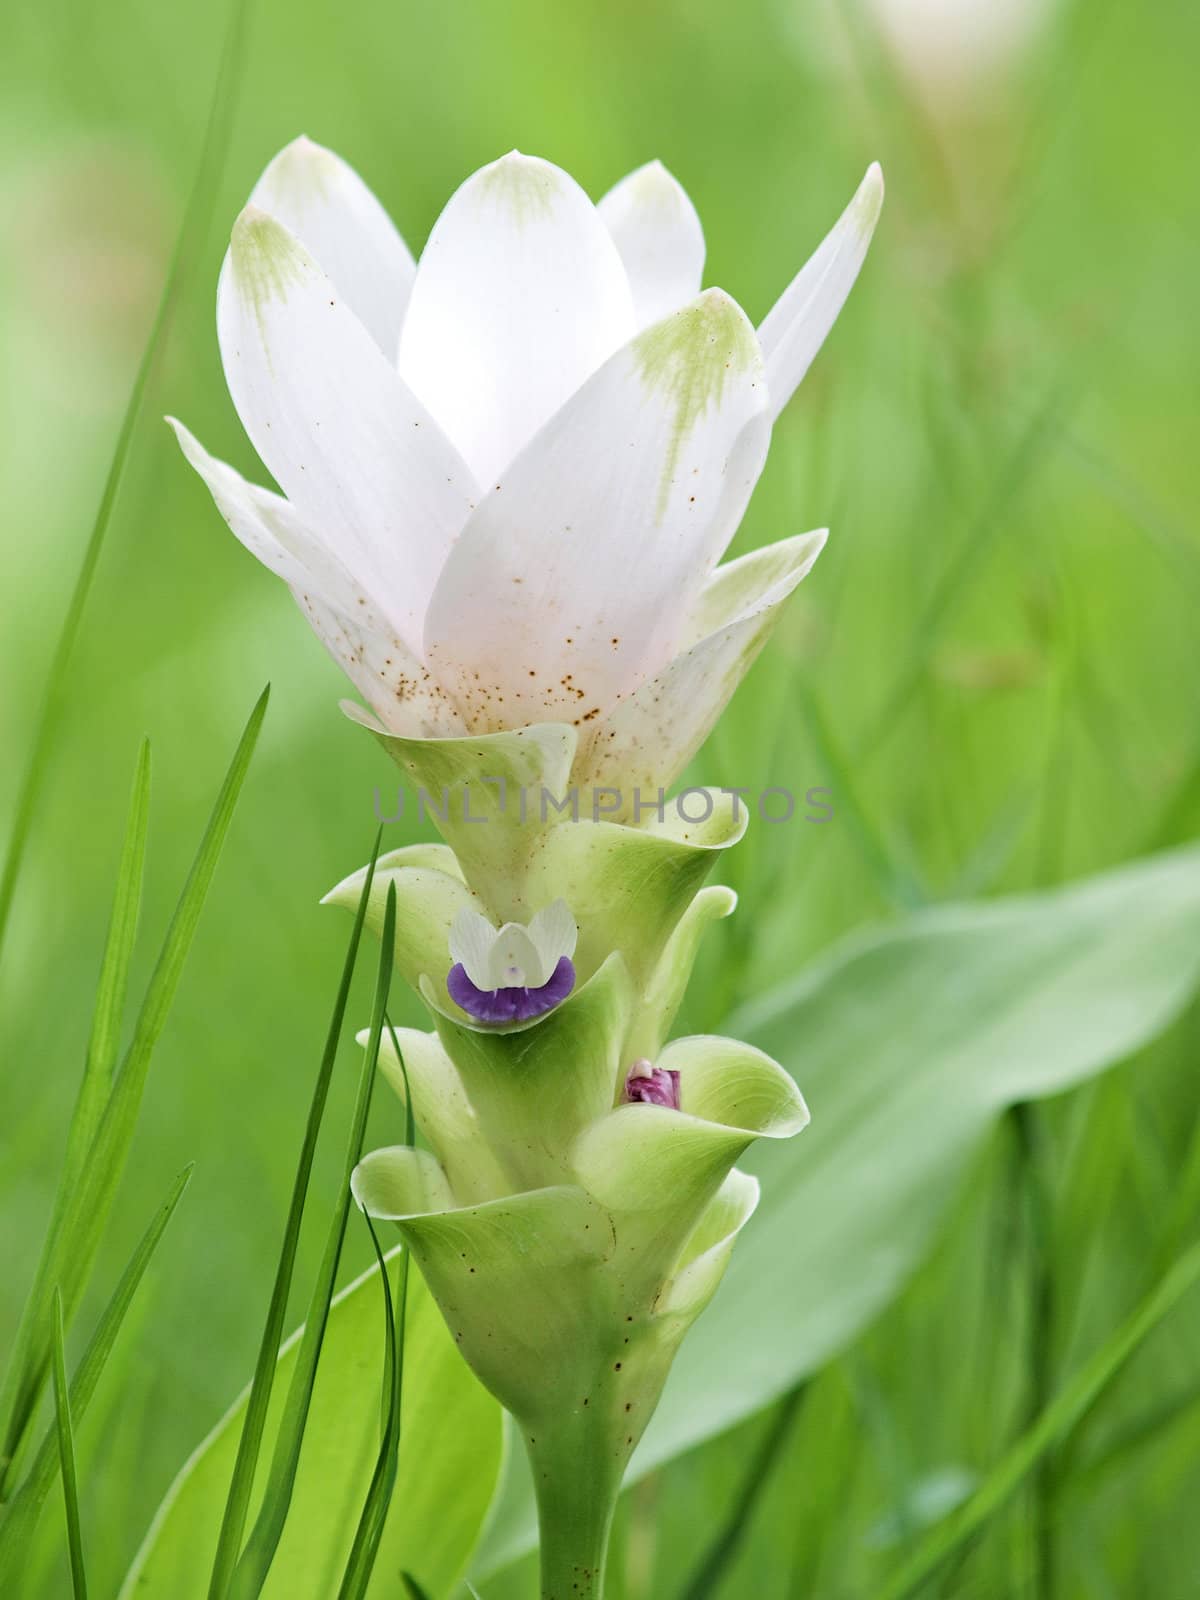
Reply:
x=400, y=689
x=357, y=455
x=652, y=735
x=570, y=582
x=337, y=219
x=472, y=940
x=271, y=530
x=519, y=296
x=403, y=692
x=738, y=588
x=555, y=934
x=655, y=227
x=514, y=961
x=796, y=326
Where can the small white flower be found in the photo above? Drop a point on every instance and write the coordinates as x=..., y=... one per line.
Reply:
x=512, y=469
x=514, y=972
x=523, y=954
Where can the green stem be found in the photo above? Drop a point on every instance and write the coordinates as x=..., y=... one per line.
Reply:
x=577, y=1477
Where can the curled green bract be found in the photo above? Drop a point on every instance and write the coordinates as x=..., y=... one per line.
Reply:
x=569, y=1235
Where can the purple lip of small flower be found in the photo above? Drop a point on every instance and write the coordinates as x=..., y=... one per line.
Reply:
x=658, y=1087
x=510, y=1005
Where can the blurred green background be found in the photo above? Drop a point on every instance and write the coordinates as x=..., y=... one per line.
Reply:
x=994, y=665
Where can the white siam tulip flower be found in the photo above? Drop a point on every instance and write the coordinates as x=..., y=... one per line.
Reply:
x=509, y=473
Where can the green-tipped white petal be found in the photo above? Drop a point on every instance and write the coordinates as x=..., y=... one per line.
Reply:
x=655, y=227
x=356, y=453
x=652, y=735
x=572, y=578
x=741, y=588
x=330, y=210
x=519, y=295
x=795, y=327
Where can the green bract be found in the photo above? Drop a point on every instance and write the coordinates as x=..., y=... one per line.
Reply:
x=570, y=1237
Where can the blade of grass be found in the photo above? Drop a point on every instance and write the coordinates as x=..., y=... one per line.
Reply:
x=1035, y=1195
x=363, y=1551
x=70, y=1247
x=415, y=1592
x=66, y=1455
x=97, y=1074
x=1059, y=1419
x=114, y=969
x=895, y=883
x=361, y=1561
x=195, y=219
x=1042, y=429
x=251, y=1571
x=713, y=1565
x=233, y=1523
x=18, y=1524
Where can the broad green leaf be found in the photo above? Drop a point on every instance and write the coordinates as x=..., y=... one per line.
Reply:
x=450, y=1449
x=907, y=1044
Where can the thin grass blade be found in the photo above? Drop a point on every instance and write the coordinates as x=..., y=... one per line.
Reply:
x=105, y=1040
x=1055, y=1423
x=714, y=1564
x=237, y=1506
x=255, y=1563
x=106, y=1022
x=71, y=1246
x=21, y=1518
x=195, y=218
x=365, y=1548
x=66, y=1455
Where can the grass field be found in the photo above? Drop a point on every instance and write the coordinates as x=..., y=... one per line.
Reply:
x=993, y=668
